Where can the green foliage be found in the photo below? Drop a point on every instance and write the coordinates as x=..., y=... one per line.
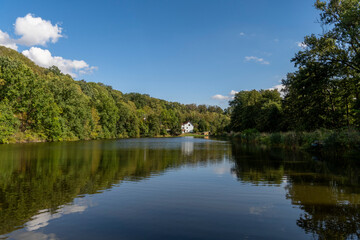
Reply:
x=55, y=70
x=342, y=139
x=275, y=138
x=256, y=109
x=293, y=139
x=323, y=140
x=8, y=122
x=250, y=135
x=203, y=126
x=38, y=104
x=14, y=55
x=325, y=91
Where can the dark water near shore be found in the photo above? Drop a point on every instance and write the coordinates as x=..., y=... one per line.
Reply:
x=174, y=188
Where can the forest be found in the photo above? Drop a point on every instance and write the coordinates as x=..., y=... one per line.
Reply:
x=324, y=92
x=38, y=104
x=322, y=96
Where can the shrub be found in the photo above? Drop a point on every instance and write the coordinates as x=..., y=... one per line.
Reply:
x=343, y=139
x=276, y=139
x=311, y=137
x=250, y=135
x=265, y=139
x=291, y=139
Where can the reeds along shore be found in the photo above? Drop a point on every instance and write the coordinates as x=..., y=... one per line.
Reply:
x=340, y=140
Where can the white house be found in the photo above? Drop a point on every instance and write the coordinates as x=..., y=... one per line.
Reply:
x=187, y=127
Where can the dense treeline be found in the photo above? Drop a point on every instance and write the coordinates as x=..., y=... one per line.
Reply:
x=324, y=92
x=254, y=109
x=38, y=104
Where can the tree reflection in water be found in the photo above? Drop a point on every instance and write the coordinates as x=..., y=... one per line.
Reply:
x=327, y=191
x=46, y=177
x=39, y=182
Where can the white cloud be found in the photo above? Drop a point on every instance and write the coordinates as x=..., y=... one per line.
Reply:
x=223, y=97
x=43, y=58
x=256, y=59
x=44, y=216
x=21, y=235
x=221, y=170
x=220, y=97
x=301, y=45
x=6, y=41
x=36, y=31
x=241, y=34
x=233, y=92
x=279, y=87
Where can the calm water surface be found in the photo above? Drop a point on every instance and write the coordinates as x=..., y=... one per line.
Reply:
x=174, y=188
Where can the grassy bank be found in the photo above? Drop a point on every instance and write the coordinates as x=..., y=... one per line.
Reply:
x=199, y=135
x=322, y=140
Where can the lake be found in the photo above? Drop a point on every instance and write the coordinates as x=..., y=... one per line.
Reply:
x=174, y=188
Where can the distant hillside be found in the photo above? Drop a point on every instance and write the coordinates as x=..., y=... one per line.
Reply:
x=39, y=104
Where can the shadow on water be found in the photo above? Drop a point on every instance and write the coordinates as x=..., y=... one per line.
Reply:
x=327, y=191
x=34, y=177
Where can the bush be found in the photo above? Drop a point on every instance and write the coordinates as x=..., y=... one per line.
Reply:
x=353, y=137
x=290, y=139
x=343, y=139
x=311, y=137
x=339, y=140
x=265, y=139
x=250, y=135
x=276, y=139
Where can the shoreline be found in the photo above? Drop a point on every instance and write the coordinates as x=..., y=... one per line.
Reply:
x=24, y=141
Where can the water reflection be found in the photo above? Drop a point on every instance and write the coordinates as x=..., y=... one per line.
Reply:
x=33, y=236
x=187, y=147
x=42, y=183
x=327, y=191
x=46, y=176
x=44, y=216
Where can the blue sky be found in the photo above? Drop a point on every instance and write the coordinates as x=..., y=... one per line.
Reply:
x=186, y=51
